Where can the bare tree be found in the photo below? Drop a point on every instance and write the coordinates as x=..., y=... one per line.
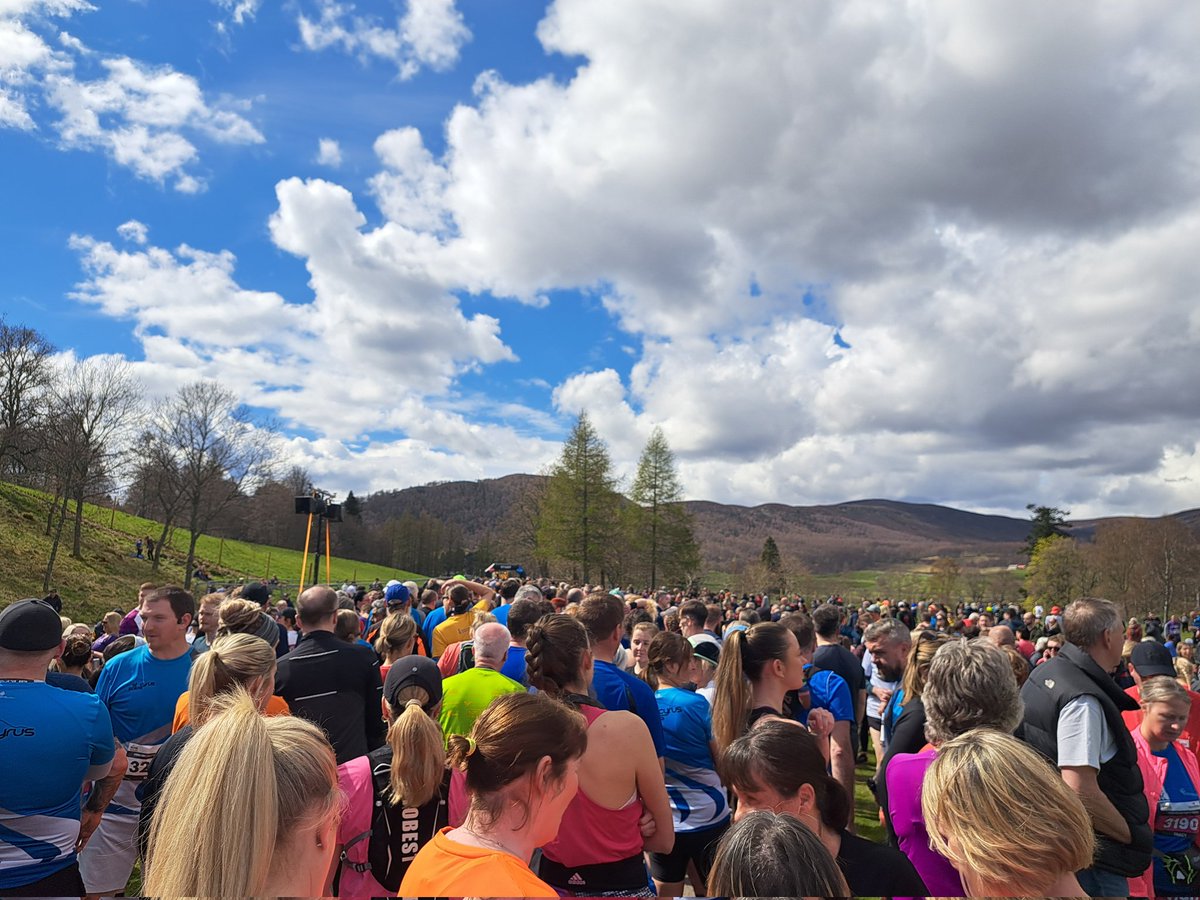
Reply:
x=24, y=379
x=94, y=407
x=213, y=451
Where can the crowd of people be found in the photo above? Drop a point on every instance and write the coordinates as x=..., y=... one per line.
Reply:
x=526, y=739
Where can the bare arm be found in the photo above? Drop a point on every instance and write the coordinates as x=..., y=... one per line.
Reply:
x=1105, y=818
x=652, y=788
x=842, y=760
x=101, y=795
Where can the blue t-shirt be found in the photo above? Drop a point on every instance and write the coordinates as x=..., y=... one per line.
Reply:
x=49, y=738
x=514, y=665
x=1176, y=822
x=140, y=692
x=501, y=613
x=828, y=690
x=613, y=688
x=693, y=786
x=435, y=618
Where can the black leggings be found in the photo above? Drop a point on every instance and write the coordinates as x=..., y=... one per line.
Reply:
x=63, y=883
x=690, y=846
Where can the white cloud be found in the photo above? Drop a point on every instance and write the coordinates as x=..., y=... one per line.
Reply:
x=144, y=117
x=240, y=11
x=428, y=35
x=134, y=231
x=329, y=153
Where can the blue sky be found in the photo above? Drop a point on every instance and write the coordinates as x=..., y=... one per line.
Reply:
x=835, y=250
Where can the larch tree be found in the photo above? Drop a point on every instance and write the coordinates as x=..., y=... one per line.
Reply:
x=661, y=529
x=580, y=510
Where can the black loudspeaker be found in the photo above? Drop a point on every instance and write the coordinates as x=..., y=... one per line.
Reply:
x=311, y=505
x=333, y=512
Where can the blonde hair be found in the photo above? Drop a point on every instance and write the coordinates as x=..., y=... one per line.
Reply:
x=482, y=617
x=396, y=634
x=231, y=663
x=1185, y=671
x=238, y=616
x=969, y=796
x=418, y=749
x=241, y=774
x=920, y=656
x=649, y=627
x=1164, y=689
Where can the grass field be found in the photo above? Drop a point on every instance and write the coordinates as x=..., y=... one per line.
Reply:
x=109, y=573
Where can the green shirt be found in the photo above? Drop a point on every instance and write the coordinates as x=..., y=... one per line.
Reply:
x=466, y=695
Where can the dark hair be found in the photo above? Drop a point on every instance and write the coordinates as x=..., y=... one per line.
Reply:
x=743, y=656
x=783, y=756
x=774, y=854
x=555, y=645
x=508, y=740
x=509, y=588
x=826, y=619
x=77, y=651
x=695, y=612
x=635, y=618
x=600, y=614
x=801, y=626
x=666, y=648
x=523, y=613
x=460, y=599
x=182, y=602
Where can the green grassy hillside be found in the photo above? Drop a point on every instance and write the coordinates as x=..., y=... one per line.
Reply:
x=109, y=574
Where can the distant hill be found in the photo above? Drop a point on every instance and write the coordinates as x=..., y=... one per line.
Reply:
x=846, y=536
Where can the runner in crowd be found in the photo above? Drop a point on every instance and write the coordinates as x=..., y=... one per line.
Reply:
x=465, y=696
x=269, y=793
x=235, y=661
x=521, y=763
x=970, y=685
x=111, y=624
x=54, y=741
x=208, y=619
x=1171, y=779
x=698, y=801
x=461, y=596
x=523, y=612
x=777, y=766
x=140, y=689
x=460, y=656
x=395, y=638
x=397, y=795
x=600, y=843
x=970, y=793
x=639, y=643
x=769, y=854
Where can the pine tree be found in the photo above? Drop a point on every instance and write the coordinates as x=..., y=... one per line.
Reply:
x=352, y=507
x=579, y=513
x=661, y=529
x=770, y=556
x=1044, y=522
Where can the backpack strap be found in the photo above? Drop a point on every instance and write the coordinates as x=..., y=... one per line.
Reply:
x=356, y=778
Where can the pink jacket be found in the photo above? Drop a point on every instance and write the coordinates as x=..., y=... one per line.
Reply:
x=1154, y=773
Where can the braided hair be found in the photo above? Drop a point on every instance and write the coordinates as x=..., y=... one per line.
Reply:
x=555, y=647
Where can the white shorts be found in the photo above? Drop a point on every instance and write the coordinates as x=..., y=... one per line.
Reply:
x=107, y=861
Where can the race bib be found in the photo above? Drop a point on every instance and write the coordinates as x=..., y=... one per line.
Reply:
x=140, y=758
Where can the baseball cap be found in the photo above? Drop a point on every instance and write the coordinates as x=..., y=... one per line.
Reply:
x=256, y=592
x=705, y=648
x=418, y=671
x=1151, y=658
x=396, y=593
x=31, y=626
x=1056, y=610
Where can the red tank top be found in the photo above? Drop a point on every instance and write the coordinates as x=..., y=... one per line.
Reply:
x=591, y=833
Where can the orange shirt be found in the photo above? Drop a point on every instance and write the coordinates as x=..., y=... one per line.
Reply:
x=276, y=706
x=446, y=868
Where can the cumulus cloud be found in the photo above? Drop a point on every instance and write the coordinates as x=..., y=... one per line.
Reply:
x=239, y=11
x=144, y=117
x=428, y=35
x=329, y=153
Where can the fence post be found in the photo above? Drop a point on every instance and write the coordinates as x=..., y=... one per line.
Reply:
x=220, y=551
x=268, y=565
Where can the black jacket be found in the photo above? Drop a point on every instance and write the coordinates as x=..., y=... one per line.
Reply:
x=1054, y=684
x=336, y=686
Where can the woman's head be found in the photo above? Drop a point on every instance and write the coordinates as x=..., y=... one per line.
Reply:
x=397, y=636
x=767, y=651
x=925, y=645
x=669, y=657
x=270, y=781
x=244, y=617
x=639, y=641
x=968, y=797
x=778, y=766
x=347, y=625
x=768, y=854
x=970, y=684
x=77, y=654
x=523, y=753
x=1166, y=707
x=558, y=654
x=234, y=661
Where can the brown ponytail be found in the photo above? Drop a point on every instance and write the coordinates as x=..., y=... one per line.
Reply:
x=554, y=649
x=666, y=649
x=745, y=654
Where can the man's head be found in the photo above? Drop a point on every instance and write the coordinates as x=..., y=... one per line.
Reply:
x=396, y=597
x=801, y=625
x=30, y=636
x=603, y=616
x=1002, y=637
x=491, y=645
x=508, y=589
x=1094, y=626
x=692, y=617
x=145, y=591
x=826, y=619
x=166, y=615
x=715, y=616
x=889, y=642
x=525, y=611
x=1150, y=659
x=210, y=611
x=256, y=592
x=316, y=607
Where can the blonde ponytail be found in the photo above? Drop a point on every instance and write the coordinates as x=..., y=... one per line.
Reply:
x=418, y=752
x=731, y=698
x=244, y=775
x=233, y=661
